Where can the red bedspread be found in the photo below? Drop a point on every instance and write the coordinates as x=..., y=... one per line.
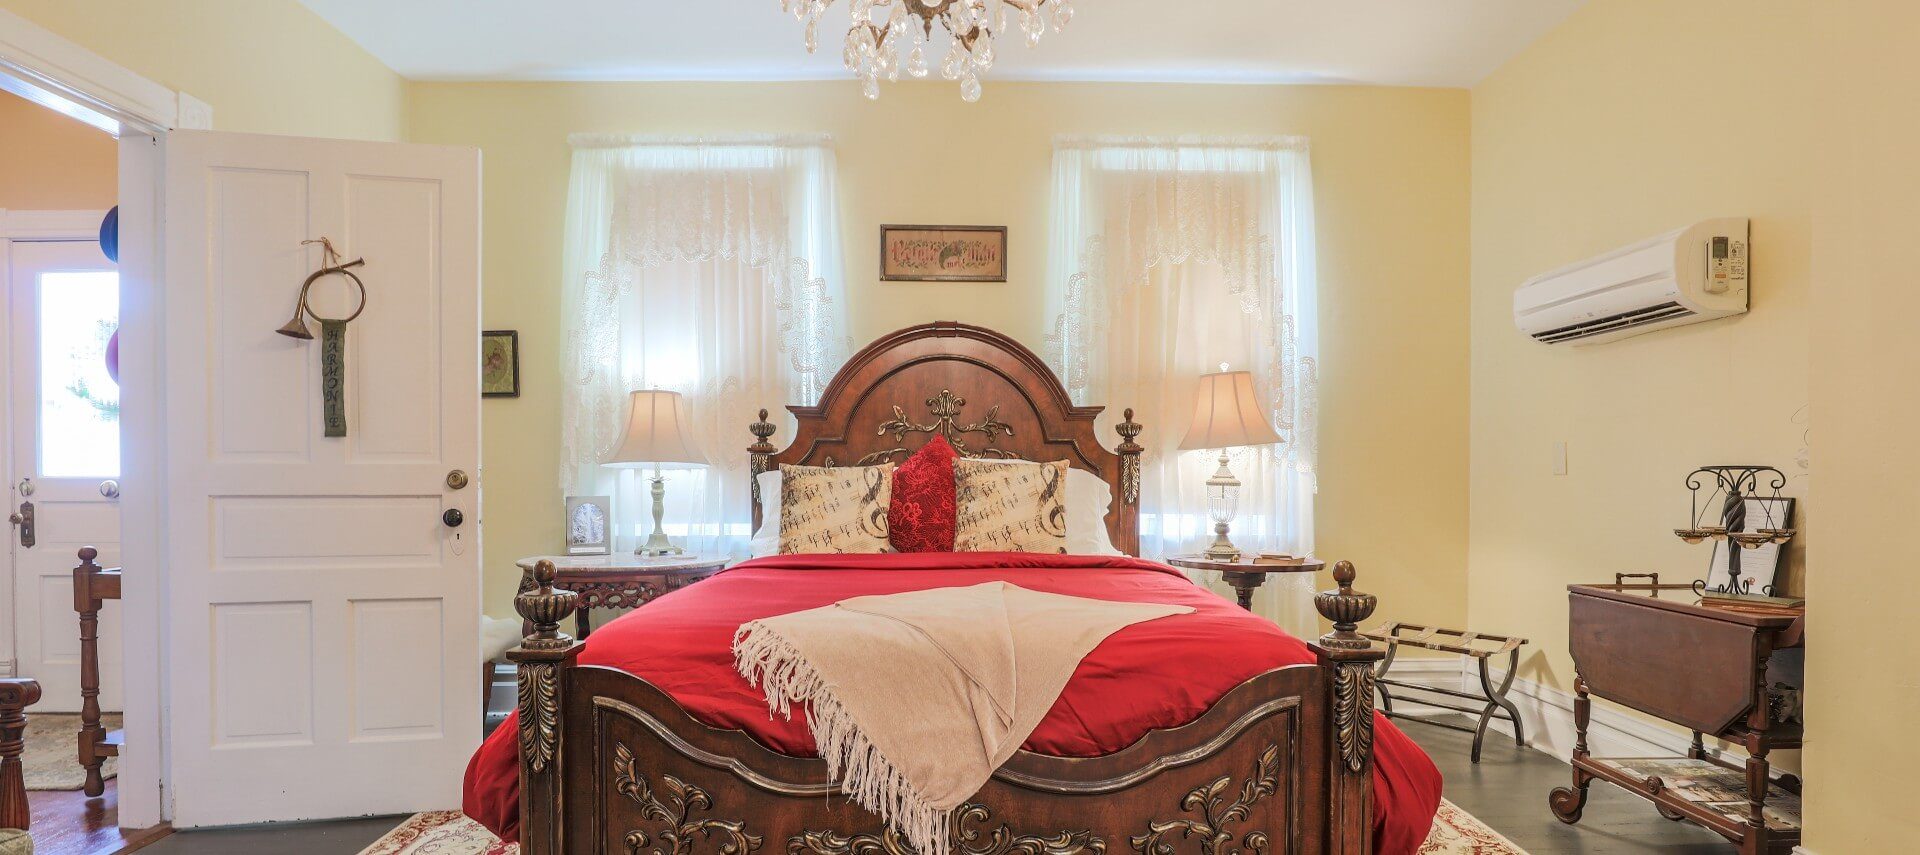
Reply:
x=1158, y=674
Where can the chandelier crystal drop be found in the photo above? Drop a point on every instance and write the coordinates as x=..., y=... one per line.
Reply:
x=884, y=30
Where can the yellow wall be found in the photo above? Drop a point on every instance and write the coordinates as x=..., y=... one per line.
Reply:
x=1598, y=135
x=1861, y=588
x=1595, y=137
x=51, y=162
x=1391, y=177
x=266, y=66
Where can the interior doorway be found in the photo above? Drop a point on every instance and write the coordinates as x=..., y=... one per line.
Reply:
x=133, y=117
x=63, y=438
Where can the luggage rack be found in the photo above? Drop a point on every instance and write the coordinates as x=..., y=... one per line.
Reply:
x=1478, y=646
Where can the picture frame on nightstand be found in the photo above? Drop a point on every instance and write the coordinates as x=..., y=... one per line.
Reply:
x=589, y=525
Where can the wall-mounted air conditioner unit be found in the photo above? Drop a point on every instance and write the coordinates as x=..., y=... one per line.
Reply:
x=1682, y=277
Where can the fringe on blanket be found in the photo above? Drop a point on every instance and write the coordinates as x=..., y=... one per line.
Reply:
x=772, y=663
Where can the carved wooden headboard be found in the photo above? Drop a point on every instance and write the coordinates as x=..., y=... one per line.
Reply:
x=987, y=394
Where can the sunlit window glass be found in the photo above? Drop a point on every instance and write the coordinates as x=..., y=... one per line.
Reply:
x=79, y=401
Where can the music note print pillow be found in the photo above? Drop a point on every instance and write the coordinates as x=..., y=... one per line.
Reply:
x=835, y=509
x=1003, y=506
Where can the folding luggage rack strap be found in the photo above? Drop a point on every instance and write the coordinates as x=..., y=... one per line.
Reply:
x=1478, y=646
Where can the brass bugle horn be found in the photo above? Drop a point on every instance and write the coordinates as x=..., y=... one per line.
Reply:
x=296, y=327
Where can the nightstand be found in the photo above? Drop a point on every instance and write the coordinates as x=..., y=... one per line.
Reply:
x=1244, y=575
x=622, y=581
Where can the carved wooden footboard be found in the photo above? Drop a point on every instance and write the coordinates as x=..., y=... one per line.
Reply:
x=611, y=765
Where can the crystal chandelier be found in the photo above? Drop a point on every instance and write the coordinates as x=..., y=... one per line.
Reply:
x=883, y=28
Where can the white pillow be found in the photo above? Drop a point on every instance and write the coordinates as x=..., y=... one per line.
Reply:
x=1088, y=498
x=766, y=539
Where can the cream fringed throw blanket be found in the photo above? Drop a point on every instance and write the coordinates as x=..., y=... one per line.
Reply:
x=914, y=699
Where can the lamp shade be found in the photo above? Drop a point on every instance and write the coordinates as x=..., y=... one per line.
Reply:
x=1227, y=414
x=657, y=435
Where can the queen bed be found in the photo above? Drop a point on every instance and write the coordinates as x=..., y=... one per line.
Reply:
x=1211, y=732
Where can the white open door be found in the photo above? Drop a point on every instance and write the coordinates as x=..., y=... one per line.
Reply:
x=323, y=656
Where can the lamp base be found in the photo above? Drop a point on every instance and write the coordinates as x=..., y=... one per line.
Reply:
x=657, y=544
x=1221, y=549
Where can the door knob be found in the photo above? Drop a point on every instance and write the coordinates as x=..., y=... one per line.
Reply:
x=26, y=487
x=110, y=488
x=453, y=518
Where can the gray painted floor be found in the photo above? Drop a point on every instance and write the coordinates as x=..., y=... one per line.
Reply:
x=1507, y=790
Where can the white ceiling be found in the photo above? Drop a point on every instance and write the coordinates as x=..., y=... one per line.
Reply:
x=1389, y=42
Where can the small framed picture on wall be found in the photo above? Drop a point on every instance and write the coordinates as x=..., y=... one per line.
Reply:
x=943, y=253
x=500, y=364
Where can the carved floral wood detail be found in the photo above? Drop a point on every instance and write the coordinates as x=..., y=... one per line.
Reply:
x=1353, y=713
x=1213, y=828
x=676, y=829
x=946, y=408
x=539, y=714
x=968, y=826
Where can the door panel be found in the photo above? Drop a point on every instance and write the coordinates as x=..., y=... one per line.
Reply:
x=332, y=669
x=63, y=304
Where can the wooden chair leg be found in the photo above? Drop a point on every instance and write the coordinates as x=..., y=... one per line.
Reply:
x=15, y=696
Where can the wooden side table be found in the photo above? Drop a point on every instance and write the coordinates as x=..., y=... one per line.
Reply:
x=1244, y=575
x=621, y=581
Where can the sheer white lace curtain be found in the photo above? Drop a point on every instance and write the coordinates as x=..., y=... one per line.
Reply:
x=1168, y=258
x=710, y=267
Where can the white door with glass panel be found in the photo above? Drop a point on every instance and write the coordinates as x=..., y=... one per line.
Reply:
x=323, y=590
x=64, y=308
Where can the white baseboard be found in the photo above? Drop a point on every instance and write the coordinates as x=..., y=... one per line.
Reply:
x=1802, y=850
x=1547, y=713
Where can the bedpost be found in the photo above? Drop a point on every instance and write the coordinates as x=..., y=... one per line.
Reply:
x=1349, y=658
x=757, y=456
x=1129, y=511
x=15, y=696
x=544, y=659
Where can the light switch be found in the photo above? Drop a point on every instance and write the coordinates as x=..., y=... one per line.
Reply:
x=1559, y=458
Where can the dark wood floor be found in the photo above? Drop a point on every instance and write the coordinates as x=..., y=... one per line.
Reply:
x=69, y=823
x=1507, y=790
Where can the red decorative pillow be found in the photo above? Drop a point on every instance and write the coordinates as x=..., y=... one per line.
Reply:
x=921, y=518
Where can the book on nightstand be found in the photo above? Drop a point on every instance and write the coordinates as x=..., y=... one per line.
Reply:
x=1278, y=559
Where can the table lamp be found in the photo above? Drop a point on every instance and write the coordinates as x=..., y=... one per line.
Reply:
x=657, y=435
x=1226, y=414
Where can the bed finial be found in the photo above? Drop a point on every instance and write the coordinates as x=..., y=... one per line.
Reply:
x=545, y=607
x=1346, y=608
x=762, y=430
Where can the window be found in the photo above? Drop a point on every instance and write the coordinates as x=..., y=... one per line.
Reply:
x=1168, y=258
x=79, y=402
x=708, y=267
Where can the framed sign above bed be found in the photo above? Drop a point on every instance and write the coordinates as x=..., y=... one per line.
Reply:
x=943, y=253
